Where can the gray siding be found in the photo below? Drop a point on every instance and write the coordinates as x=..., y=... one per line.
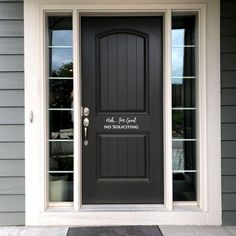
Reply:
x=12, y=181
x=228, y=110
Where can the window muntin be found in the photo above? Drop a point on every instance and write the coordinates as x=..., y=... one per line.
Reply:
x=60, y=110
x=184, y=108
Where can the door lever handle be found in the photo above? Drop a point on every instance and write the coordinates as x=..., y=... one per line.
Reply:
x=86, y=125
x=85, y=136
x=86, y=122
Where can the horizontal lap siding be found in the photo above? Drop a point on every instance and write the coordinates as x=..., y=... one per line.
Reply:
x=12, y=181
x=228, y=110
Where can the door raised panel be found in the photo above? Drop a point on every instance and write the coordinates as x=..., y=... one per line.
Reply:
x=122, y=157
x=121, y=70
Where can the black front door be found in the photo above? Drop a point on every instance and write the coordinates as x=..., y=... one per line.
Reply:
x=122, y=87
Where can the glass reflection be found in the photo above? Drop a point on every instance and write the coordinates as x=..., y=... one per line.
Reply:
x=61, y=93
x=178, y=37
x=183, y=62
x=61, y=156
x=61, y=64
x=61, y=124
x=184, y=186
x=183, y=155
x=60, y=31
x=183, y=124
x=183, y=92
x=61, y=38
x=60, y=187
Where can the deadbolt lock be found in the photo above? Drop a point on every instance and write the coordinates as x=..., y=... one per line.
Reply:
x=86, y=111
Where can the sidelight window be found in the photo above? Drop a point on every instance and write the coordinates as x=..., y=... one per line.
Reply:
x=184, y=107
x=60, y=108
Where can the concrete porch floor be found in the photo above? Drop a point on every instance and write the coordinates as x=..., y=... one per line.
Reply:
x=166, y=230
x=198, y=230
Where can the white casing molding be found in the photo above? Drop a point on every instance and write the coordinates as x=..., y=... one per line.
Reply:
x=207, y=210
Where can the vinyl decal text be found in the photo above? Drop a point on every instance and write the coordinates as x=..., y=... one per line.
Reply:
x=121, y=123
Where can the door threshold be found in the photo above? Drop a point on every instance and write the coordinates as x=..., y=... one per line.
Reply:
x=123, y=207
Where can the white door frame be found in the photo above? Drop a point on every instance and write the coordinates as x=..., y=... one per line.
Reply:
x=208, y=208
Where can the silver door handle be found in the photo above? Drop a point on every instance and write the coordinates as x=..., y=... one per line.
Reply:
x=86, y=125
x=85, y=136
x=86, y=122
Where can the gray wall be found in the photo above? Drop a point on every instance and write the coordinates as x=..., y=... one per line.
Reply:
x=228, y=108
x=12, y=199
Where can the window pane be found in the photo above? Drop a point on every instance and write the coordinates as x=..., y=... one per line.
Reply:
x=60, y=187
x=183, y=92
x=61, y=64
x=61, y=124
x=184, y=155
x=183, y=124
x=60, y=31
x=184, y=186
x=61, y=156
x=61, y=93
x=183, y=30
x=183, y=62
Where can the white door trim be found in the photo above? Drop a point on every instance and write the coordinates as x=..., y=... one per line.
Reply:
x=209, y=205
